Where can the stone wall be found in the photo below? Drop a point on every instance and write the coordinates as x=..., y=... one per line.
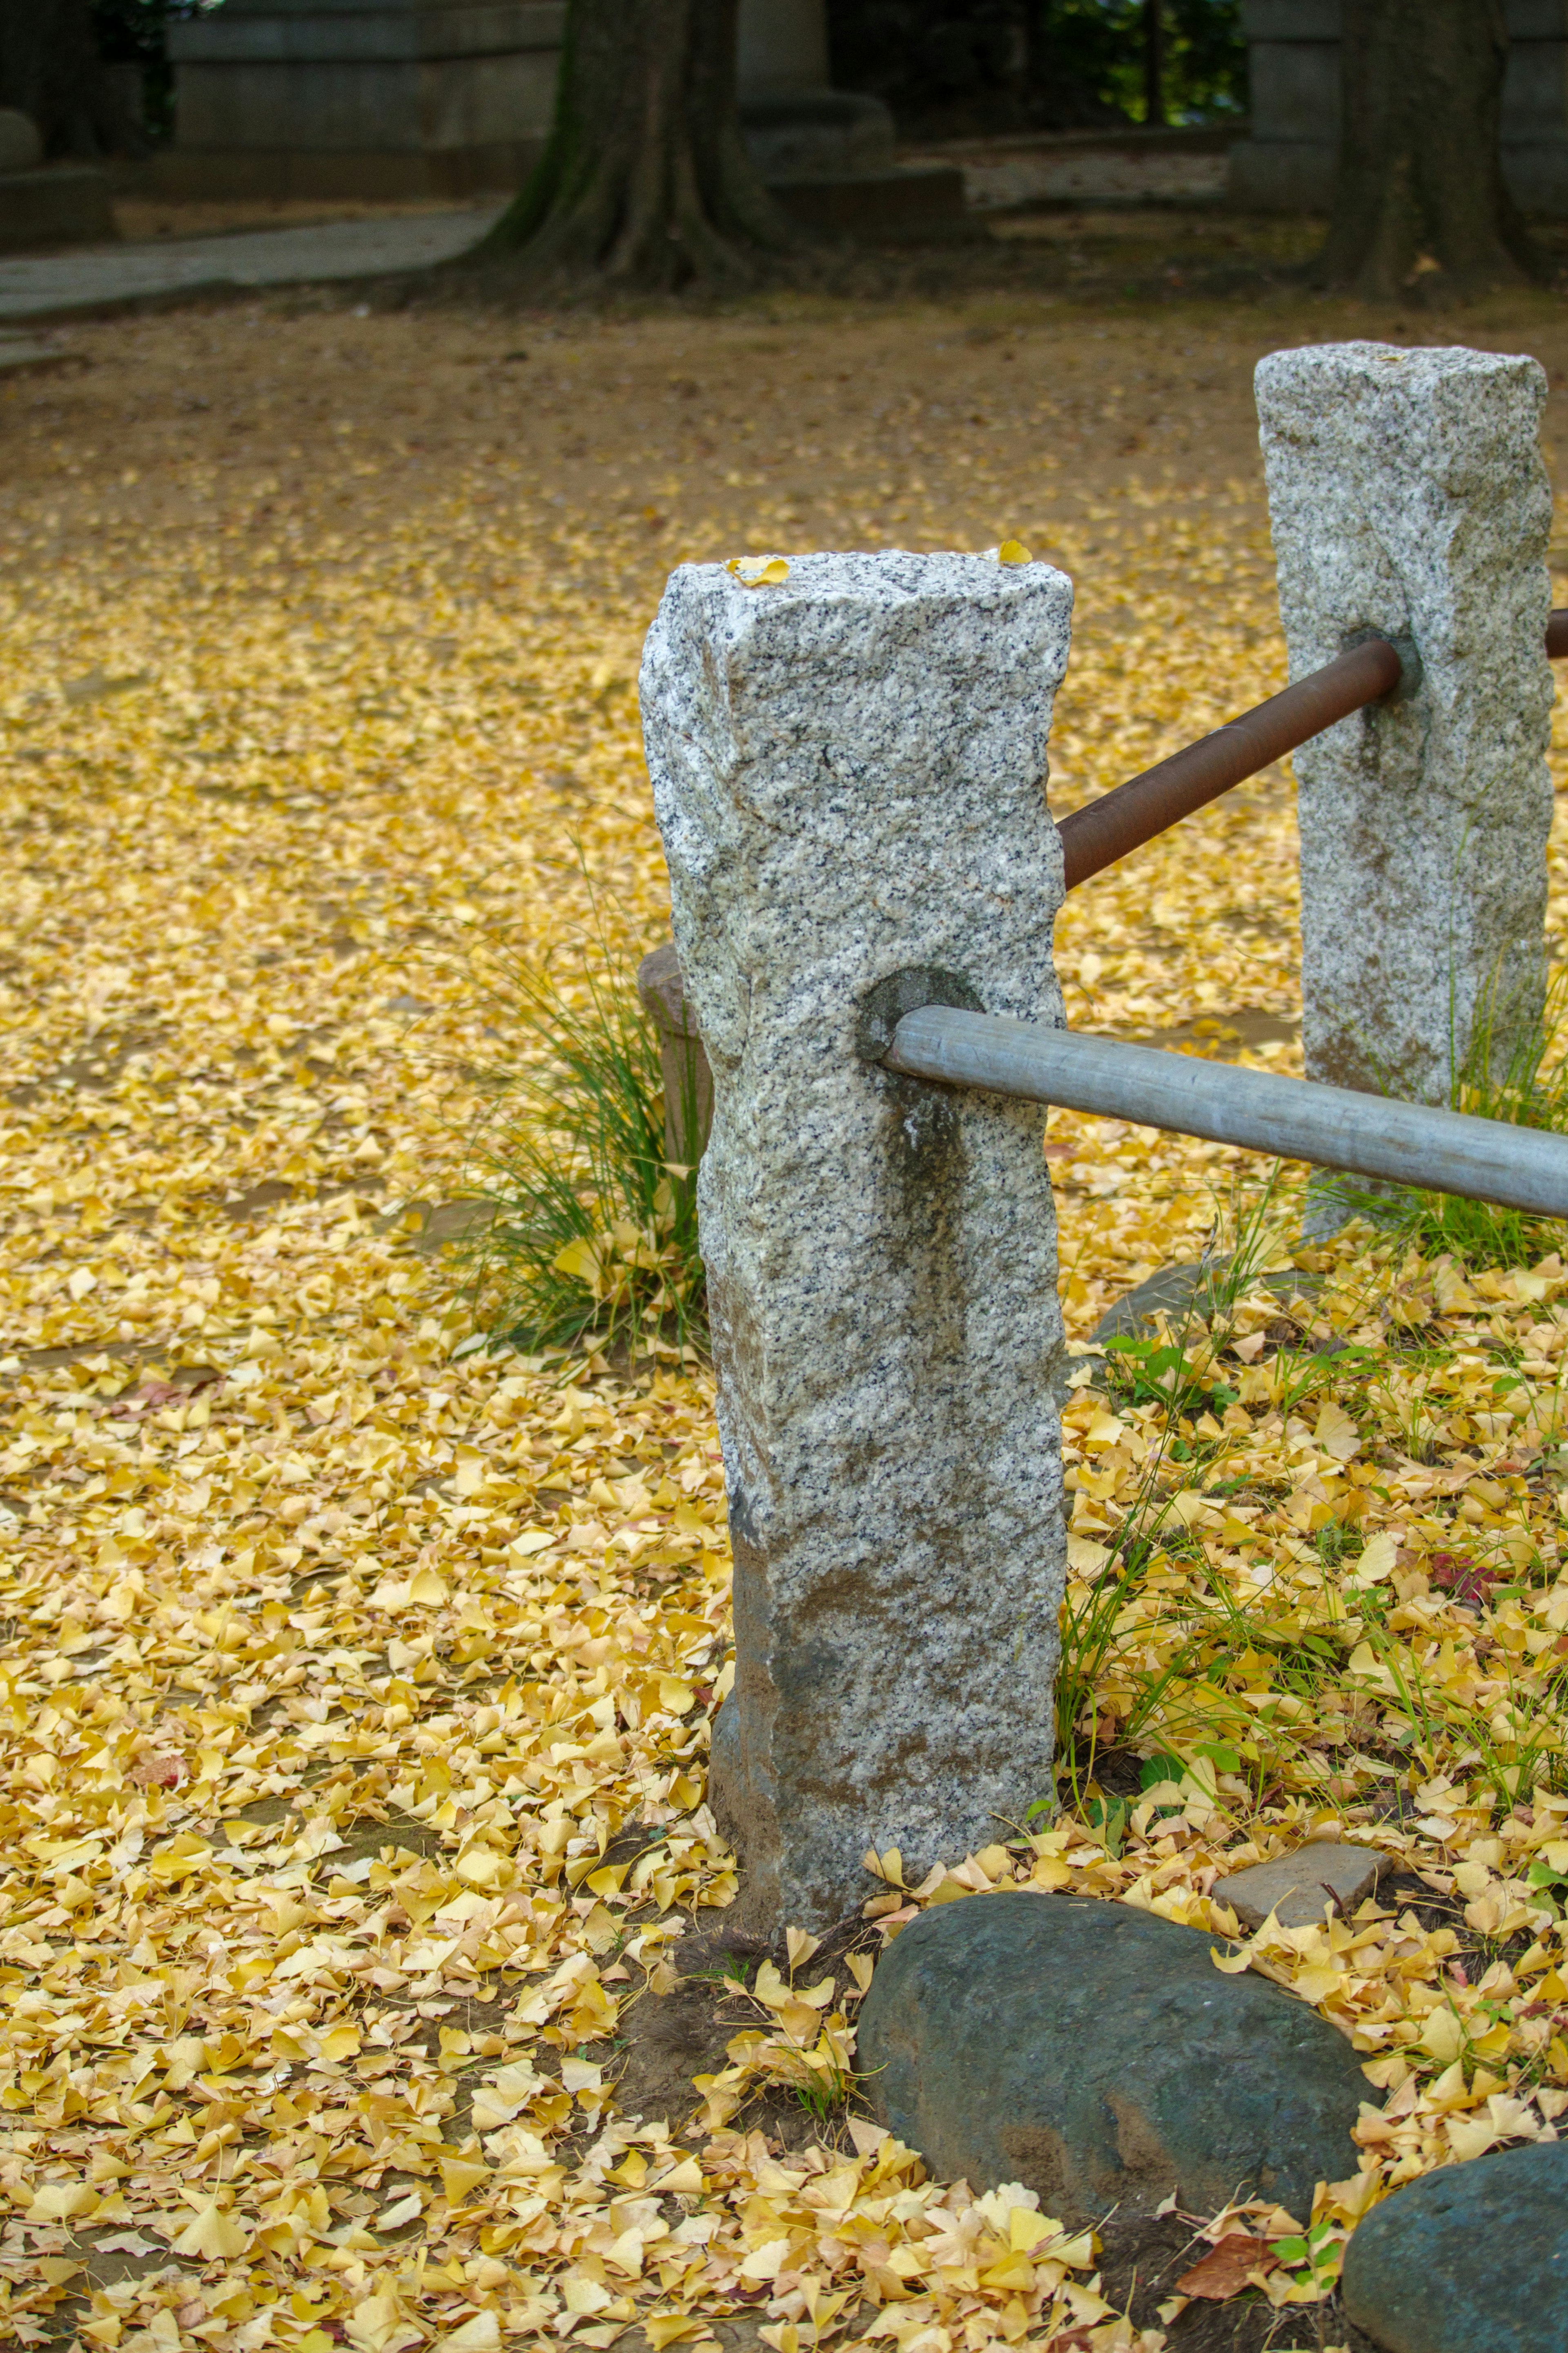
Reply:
x=361, y=98
x=409, y=98
x=1286, y=164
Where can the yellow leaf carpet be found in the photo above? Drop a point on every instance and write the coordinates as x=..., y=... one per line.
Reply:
x=356, y=1676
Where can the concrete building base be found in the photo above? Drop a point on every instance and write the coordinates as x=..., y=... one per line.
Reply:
x=64, y=204
x=908, y=204
x=1288, y=166
x=234, y=176
x=361, y=99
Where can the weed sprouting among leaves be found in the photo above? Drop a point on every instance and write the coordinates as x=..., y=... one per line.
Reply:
x=1522, y=1082
x=594, y=1231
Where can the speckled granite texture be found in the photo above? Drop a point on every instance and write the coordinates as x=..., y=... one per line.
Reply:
x=1407, y=496
x=849, y=774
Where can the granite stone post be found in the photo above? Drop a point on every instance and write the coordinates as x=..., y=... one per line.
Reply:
x=848, y=769
x=1407, y=496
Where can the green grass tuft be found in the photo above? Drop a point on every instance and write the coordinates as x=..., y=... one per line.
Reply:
x=1526, y=1087
x=593, y=1235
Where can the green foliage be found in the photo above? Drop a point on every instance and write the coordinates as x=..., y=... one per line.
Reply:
x=594, y=1231
x=822, y=2095
x=1008, y=64
x=1208, y=1635
x=1102, y=44
x=133, y=32
x=1524, y=1086
x=1156, y=1372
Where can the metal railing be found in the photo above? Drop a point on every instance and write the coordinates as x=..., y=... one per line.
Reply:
x=1096, y=835
x=1292, y=1119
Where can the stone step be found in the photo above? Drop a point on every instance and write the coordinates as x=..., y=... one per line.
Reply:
x=25, y=354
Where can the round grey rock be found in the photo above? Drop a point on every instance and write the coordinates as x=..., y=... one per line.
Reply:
x=1096, y=2054
x=21, y=149
x=1471, y=2259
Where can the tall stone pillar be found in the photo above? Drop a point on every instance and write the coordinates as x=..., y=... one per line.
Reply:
x=782, y=46
x=1287, y=161
x=848, y=770
x=1533, y=135
x=1407, y=496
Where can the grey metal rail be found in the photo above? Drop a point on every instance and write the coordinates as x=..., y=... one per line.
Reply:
x=1369, y=1136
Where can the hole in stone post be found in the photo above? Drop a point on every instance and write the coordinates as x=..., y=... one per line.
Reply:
x=884, y=1007
x=1410, y=669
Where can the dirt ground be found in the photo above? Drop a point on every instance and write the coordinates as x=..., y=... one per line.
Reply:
x=943, y=399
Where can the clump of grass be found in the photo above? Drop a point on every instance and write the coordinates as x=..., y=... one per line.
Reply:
x=593, y=1232
x=1524, y=1083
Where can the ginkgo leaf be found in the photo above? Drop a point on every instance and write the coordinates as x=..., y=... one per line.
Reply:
x=580, y=1259
x=1336, y=1433
x=1378, y=1555
x=1239, y=2260
x=213, y=2235
x=479, y=2335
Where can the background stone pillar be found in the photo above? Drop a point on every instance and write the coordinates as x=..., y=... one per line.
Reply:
x=1287, y=162
x=782, y=46
x=797, y=126
x=827, y=155
x=848, y=770
x=1407, y=496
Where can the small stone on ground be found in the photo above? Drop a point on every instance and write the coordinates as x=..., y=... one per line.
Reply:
x=1296, y=1887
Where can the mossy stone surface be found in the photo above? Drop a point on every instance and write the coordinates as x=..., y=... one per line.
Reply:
x=1471, y=2259
x=1095, y=2053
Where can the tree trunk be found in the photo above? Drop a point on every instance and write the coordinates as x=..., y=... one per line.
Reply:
x=52, y=71
x=646, y=181
x=1154, y=61
x=1419, y=201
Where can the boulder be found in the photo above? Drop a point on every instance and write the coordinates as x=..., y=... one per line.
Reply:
x=1472, y=2259
x=1096, y=2054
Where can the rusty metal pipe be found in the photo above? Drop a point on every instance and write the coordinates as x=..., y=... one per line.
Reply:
x=1092, y=838
x=1097, y=835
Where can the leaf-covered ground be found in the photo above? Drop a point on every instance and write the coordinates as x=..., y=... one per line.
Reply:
x=357, y=1680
